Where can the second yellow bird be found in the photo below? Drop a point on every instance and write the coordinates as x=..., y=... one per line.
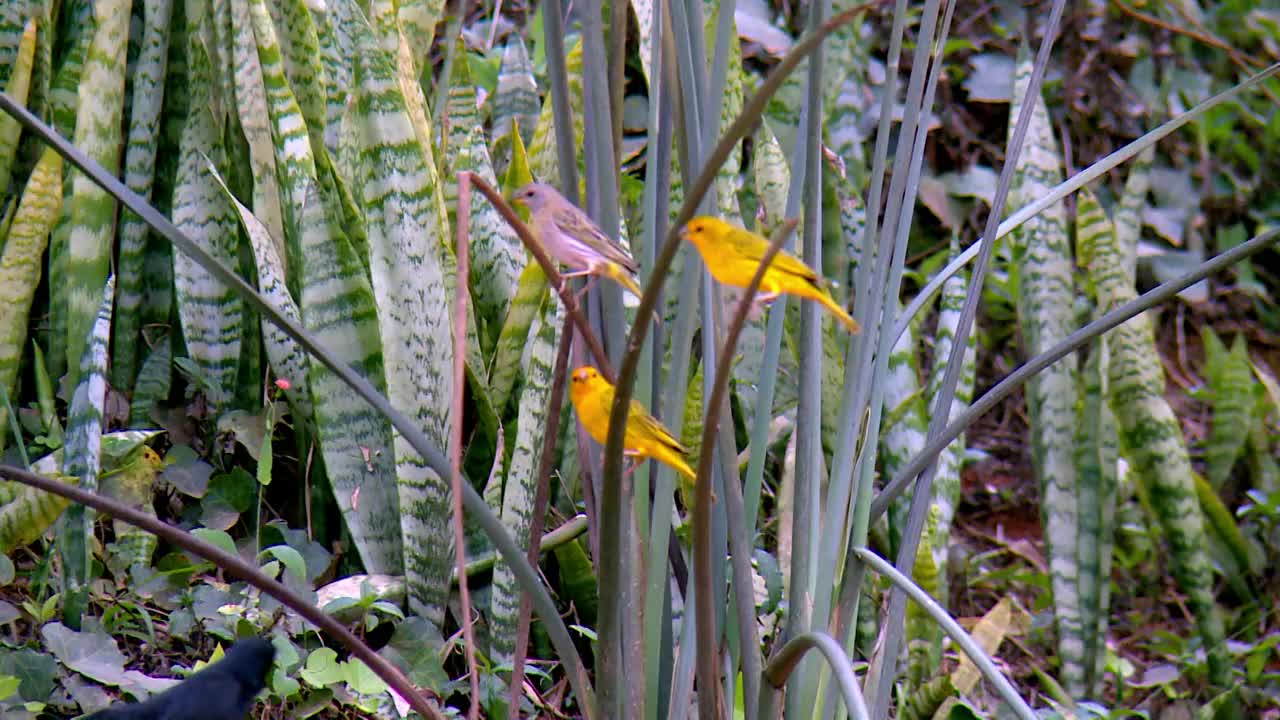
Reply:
x=645, y=437
x=732, y=255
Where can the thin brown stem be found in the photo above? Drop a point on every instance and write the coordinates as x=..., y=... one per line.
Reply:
x=238, y=567
x=460, y=310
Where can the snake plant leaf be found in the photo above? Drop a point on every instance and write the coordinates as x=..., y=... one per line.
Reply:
x=146, y=100
x=287, y=359
x=1150, y=435
x=408, y=226
x=1097, y=455
x=209, y=312
x=355, y=441
x=19, y=84
x=522, y=479
x=82, y=457
x=1233, y=394
x=20, y=267
x=515, y=101
x=64, y=98
x=1045, y=315
x=252, y=85
x=91, y=211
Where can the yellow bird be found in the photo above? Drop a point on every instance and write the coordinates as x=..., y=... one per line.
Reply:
x=573, y=239
x=732, y=255
x=592, y=397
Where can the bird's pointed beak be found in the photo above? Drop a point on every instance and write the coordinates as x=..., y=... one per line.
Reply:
x=684, y=233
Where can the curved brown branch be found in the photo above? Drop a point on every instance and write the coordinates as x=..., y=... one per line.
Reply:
x=236, y=566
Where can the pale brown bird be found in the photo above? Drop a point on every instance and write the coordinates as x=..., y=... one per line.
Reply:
x=574, y=240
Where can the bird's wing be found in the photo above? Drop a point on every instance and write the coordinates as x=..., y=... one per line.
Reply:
x=573, y=221
x=753, y=248
x=652, y=428
x=207, y=697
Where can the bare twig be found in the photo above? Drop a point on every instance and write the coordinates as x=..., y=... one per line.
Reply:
x=238, y=567
x=455, y=435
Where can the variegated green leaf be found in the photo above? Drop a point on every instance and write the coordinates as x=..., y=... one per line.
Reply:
x=418, y=19
x=1046, y=316
x=530, y=291
x=644, y=25
x=543, y=161
x=20, y=266
x=853, y=221
x=1128, y=212
x=904, y=425
x=139, y=172
x=13, y=22
x=497, y=255
x=300, y=46
x=407, y=230
x=92, y=212
x=1233, y=394
x=209, y=311
x=17, y=88
x=847, y=94
x=1097, y=453
x=82, y=452
x=287, y=358
x=157, y=277
x=515, y=101
x=772, y=175
x=461, y=114
x=526, y=298
x=1235, y=550
x=946, y=479
x=355, y=441
x=251, y=89
x=691, y=414
x=1150, y=434
x=27, y=512
x=924, y=654
x=63, y=100
x=522, y=479
x=336, y=54
x=291, y=149
x=155, y=378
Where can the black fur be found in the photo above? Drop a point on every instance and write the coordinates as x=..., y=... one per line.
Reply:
x=223, y=691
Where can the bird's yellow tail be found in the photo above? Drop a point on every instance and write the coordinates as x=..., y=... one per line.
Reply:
x=676, y=462
x=839, y=312
x=623, y=278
